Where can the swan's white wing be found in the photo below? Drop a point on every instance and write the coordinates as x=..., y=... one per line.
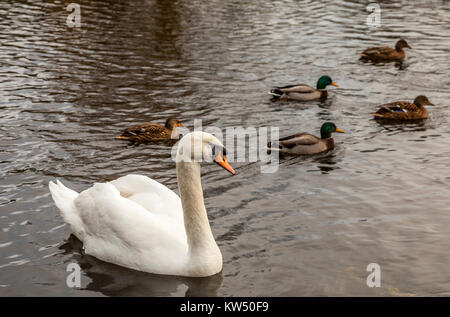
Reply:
x=152, y=195
x=121, y=231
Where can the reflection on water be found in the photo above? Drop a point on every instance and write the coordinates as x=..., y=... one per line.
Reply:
x=112, y=280
x=312, y=227
x=399, y=65
x=393, y=127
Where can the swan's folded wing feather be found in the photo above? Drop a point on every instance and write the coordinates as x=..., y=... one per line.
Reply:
x=133, y=183
x=121, y=231
x=150, y=194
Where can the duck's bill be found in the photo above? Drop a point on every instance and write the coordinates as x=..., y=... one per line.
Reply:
x=408, y=46
x=339, y=130
x=431, y=104
x=334, y=84
x=222, y=161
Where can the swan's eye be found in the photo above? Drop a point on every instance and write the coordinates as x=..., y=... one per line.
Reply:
x=216, y=150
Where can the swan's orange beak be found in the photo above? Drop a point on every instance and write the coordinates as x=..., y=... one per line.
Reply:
x=222, y=161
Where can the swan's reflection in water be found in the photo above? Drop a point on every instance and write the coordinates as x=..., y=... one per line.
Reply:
x=113, y=280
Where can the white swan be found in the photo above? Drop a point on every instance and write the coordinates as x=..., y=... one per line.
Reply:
x=141, y=224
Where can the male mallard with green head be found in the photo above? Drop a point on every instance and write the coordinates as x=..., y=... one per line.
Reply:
x=404, y=110
x=302, y=92
x=385, y=53
x=305, y=143
x=151, y=131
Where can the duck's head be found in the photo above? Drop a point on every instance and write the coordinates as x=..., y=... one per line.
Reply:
x=401, y=44
x=327, y=129
x=324, y=81
x=172, y=123
x=421, y=101
x=200, y=146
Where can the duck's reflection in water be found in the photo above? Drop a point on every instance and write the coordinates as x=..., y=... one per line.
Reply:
x=398, y=126
x=113, y=280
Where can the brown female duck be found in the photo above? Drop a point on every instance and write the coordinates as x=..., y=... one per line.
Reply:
x=404, y=110
x=385, y=54
x=151, y=131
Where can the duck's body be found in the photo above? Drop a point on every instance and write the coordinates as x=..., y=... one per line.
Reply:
x=404, y=110
x=385, y=53
x=151, y=131
x=305, y=143
x=141, y=224
x=302, y=92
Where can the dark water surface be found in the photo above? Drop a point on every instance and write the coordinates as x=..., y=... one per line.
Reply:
x=311, y=228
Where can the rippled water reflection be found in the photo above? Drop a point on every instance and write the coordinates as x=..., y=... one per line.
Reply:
x=309, y=229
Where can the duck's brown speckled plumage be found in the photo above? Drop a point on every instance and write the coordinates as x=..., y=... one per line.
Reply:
x=151, y=131
x=404, y=110
x=385, y=54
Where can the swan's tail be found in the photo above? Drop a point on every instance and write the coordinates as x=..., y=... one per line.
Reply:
x=64, y=199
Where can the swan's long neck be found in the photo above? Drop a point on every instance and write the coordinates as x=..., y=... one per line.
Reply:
x=199, y=236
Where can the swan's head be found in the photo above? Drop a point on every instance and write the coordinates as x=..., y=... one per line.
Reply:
x=200, y=146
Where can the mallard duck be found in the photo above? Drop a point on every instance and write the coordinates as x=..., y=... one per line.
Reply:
x=385, y=53
x=403, y=110
x=303, y=92
x=151, y=131
x=305, y=143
